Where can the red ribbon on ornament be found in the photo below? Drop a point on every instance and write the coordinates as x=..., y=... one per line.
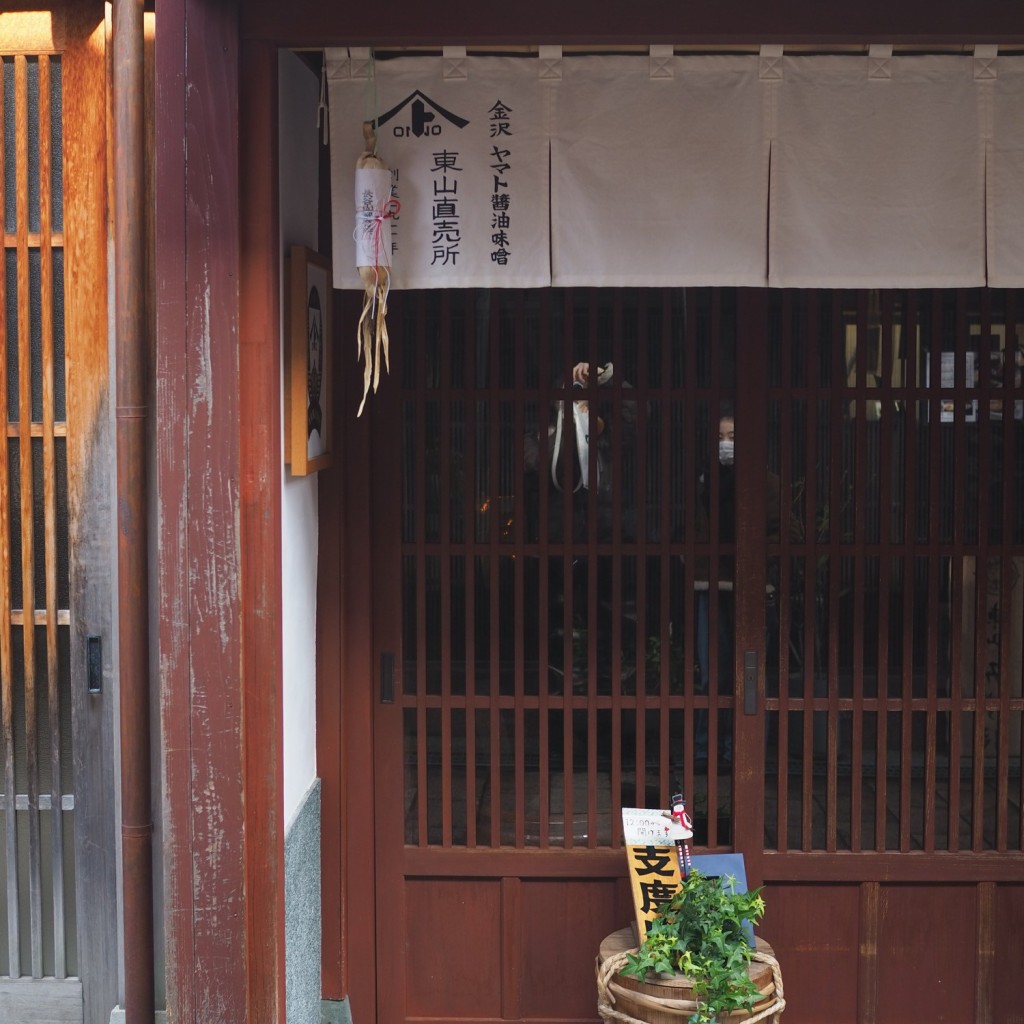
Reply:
x=388, y=211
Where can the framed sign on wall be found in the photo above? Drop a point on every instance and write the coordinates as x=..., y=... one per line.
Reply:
x=308, y=361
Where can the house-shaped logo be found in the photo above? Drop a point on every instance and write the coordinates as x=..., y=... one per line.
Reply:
x=425, y=117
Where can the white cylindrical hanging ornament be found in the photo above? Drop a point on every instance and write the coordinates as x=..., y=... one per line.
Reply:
x=375, y=208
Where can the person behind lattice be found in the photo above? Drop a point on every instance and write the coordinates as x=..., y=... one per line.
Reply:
x=576, y=459
x=569, y=482
x=717, y=480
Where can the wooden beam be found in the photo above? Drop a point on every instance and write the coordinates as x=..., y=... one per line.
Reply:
x=985, y=969
x=42, y=1001
x=90, y=486
x=740, y=22
x=331, y=696
x=867, y=959
x=171, y=430
x=33, y=31
x=345, y=702
x=197, y=468
x=260, y=464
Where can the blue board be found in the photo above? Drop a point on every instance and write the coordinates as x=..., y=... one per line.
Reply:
x=723, y=866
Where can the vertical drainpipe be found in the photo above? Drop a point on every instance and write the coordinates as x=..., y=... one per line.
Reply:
x=132, y=516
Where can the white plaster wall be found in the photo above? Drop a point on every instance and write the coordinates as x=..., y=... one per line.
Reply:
x=299, y=96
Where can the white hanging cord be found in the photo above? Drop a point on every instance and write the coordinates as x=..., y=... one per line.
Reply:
x=323, y=121
x=371, y=98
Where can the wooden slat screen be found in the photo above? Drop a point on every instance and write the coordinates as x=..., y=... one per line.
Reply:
x=895, y=711
x=548, y=632
x=36, y=801
x=556, y=641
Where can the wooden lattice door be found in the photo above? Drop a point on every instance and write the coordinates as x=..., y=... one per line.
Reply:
x=833, y=675
x=542, y=581
x=58, y=900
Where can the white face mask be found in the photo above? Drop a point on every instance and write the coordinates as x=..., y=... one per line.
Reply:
x=726, y=452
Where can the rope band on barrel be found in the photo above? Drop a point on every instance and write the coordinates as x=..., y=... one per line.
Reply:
x=607, y=989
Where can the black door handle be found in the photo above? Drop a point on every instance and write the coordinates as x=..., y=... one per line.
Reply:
x=387, y=677
x=750, y=682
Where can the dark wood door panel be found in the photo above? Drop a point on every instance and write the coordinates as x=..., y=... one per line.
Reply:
x=455, y=952
x=927, y=953
x=896, y=952
x=815, y=932
x=1001, y=948
x=508, y=948
x=550, y=648
x=523, y=948
x=563, y=925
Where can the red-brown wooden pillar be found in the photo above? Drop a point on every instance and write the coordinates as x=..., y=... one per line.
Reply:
x=209, y=799
x=261, y=468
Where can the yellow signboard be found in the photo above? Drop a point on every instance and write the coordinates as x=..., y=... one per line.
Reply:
x=654, y=877
x=652, y=839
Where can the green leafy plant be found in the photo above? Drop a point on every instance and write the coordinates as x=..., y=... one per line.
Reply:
x=699, y=933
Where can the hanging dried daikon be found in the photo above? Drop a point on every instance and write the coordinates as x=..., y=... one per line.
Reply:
x=375, y=207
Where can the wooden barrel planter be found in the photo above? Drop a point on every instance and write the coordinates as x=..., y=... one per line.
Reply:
x=670, y=1000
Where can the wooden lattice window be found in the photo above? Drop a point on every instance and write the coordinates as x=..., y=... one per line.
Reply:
x=569, y=648
x=895, y=713
x=37, y=802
